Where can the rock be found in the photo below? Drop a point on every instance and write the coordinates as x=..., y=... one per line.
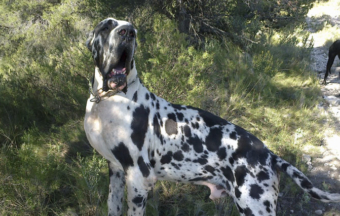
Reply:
x=307, y=159
x=332, y=100
x=318, y=212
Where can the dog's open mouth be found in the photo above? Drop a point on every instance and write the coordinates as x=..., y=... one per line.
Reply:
x=116, y=79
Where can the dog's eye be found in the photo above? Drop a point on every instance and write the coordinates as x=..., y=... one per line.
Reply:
x=132, y=34
x=105, y=28
x=122, y=32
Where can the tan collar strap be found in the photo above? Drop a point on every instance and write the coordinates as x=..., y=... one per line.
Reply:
x=100, y=94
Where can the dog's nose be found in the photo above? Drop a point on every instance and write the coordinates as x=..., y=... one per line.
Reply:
x=126, y=32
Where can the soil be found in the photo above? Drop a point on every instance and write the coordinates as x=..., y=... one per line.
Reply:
x=323, y=166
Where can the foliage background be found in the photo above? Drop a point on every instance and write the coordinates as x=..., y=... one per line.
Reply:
x=246, y=61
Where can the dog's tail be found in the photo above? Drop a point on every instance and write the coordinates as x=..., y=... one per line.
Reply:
x=303, y=182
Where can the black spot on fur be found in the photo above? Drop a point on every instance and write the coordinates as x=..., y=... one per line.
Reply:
x=152, y=162
x=306, y=184
x=110, y=170
x=171, y=124
x=228, y=186
x=213, y=140
x=240, y=174
x=251, y=148
x=118, y=174
x=248, y=212
x=196, y=143
x=262, y=176
x=187, y=131
x=180, y=116
x=209, y=118
x=210, y=169
x=222, y=153
x=314, y=195
x=139, y=125
x=228, y=173
x=121, y=152
x=138, y=200
x=201, y=161
x=135, y=97
x=152, y=96
x=178, y=107
x=255, y=191
x=166, y=158
x=175, y=166
x=142, y=166
x=244, y=147
x=157, y=128
x=201, y=178
x=147, y=96
x=195, y=125
x=273, y=161
x=204, y=156
x=267, y=204
x=233, y=135
x=178, y=156
x=285, y=166
x=231, y=161
x=185, y=147
x=239, y=208
x=238, y=193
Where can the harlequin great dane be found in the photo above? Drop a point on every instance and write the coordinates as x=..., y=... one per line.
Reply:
x=145, y=138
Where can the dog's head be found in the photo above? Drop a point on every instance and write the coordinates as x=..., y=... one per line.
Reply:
x=113, y=43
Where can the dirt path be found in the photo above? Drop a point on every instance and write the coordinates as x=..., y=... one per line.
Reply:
x=323, y=23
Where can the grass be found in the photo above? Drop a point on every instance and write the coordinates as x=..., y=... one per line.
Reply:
x=46, y=175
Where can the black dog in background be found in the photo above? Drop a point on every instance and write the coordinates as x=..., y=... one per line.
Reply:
x=334, y=50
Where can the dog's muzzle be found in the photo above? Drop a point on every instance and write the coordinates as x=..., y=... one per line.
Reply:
x=117, y=81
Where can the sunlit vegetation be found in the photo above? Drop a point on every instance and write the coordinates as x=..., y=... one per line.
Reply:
x=247, y=62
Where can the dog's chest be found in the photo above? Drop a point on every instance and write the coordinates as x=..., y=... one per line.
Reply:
x=108, y=123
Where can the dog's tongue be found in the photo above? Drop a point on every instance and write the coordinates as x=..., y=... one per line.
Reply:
x=114, y=86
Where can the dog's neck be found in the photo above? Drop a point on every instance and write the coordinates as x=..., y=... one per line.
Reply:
x=98, y=80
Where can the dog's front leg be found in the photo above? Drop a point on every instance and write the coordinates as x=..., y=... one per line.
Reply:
x=139, y=180
x=116, y=191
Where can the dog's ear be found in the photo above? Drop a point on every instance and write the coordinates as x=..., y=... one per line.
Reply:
x=136, y=40
x=90, y=40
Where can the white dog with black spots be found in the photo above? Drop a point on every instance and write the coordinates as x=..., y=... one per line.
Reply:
x=145, y=138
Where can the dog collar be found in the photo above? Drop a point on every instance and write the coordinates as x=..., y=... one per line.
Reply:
x=99, y=94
